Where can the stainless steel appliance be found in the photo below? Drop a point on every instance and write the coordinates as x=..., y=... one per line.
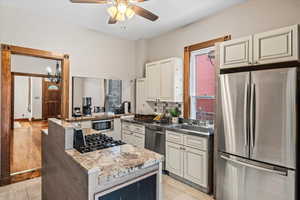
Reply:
x=155, y=140
x=257, y=147
x=87, y=105
x=126, y=107
x=103, y=125
x=93, y=142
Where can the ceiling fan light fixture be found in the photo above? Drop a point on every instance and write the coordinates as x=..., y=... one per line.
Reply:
x=129, y=13
x=120, y=17
x=112, y=11
x=122, y=7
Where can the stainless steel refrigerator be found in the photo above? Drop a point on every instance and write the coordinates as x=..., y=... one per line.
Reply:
x=257, y=144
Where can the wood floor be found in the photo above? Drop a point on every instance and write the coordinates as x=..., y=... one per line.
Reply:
x=31, y=190
x=26, y=150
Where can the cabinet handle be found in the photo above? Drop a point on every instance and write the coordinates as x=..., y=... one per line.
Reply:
x=256, y=62
x=250, y=63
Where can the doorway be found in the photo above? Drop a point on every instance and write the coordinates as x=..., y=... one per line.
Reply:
x=29, y=123
x=35, y=100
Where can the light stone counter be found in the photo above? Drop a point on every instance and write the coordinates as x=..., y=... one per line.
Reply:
x=68, y=174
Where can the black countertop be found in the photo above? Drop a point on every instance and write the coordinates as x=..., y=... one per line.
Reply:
x=207, y=132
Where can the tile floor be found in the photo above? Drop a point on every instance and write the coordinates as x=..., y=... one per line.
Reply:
x=31, y=190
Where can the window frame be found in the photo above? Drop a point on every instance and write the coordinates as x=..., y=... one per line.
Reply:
x=186, y=73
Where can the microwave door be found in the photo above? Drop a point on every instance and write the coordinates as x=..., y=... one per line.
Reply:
x=273, y=117
x=234, y=138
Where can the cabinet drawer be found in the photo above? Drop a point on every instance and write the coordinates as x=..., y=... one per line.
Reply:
x=174, y=137
x=137, y=128
x=125, y=126
x=196, y=142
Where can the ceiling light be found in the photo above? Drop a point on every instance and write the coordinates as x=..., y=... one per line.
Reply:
x=122, y=8
x=129, y=13
x=112, y=11
x=120, y=16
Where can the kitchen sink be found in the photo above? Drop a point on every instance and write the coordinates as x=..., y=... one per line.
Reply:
x=192, y=128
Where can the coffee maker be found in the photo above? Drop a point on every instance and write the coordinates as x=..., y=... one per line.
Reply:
x=87, y=106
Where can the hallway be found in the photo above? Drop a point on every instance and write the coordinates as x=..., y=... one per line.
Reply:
x=26, y=147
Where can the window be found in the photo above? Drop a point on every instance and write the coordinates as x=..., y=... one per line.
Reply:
x=199, y=80
x=202, y=84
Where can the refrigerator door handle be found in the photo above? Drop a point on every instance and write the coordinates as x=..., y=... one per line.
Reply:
x=252, y=115
x=246, y=103
x=282, y=173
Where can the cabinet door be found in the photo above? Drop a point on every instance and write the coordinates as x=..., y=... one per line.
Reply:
x=142, y=106
x=127, y=137
x=236, y=53
x=117, y=129
x=195, y=166
x=139, y=140
x=279, y=45
x=174, y=158
x=153, y=82
x=140, y=95
x=167, y=80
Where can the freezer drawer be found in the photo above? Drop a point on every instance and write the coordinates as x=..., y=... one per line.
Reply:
x=235, y=91
x=241, y=179
x=273, y=117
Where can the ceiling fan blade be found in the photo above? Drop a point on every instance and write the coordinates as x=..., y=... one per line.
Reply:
x=144, y=13
x=112, y=21
x=90, y=1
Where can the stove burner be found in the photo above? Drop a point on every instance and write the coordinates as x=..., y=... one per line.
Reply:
x=94, y=142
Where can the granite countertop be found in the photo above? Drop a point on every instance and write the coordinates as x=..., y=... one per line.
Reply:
x=99, y=116
x=115, y=162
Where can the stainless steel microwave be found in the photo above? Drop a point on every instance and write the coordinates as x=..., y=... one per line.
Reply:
x=103, y=125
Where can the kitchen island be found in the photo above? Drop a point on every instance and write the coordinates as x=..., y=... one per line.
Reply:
x=120, y=172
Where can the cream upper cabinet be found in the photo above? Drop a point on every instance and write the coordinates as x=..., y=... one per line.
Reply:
x=281, y=45
x=153, y=73
x=174, y=158
x=235, y=53
x=195, y=166
x=165, y=80
x=142, y=107
x=275, y=46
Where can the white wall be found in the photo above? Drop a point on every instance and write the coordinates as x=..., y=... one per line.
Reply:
x=94, y=88
x=37, y=89
x=21, y=97
x=244, y=19
x=91, y=53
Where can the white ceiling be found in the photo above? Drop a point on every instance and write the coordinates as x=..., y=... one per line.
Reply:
x=173, y=14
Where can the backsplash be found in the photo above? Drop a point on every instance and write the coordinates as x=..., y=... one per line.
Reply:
x=162, y=107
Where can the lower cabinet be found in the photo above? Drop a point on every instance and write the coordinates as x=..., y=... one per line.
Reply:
x=145, y=189
x=195, y=166
x=133, y=134
x=188, y=163
x=174, y=158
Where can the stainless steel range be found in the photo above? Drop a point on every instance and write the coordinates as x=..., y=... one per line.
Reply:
x=93, y=142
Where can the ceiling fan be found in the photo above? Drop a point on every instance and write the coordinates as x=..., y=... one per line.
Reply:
x=120, y=10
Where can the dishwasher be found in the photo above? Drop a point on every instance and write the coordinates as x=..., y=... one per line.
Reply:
x=155, y=140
